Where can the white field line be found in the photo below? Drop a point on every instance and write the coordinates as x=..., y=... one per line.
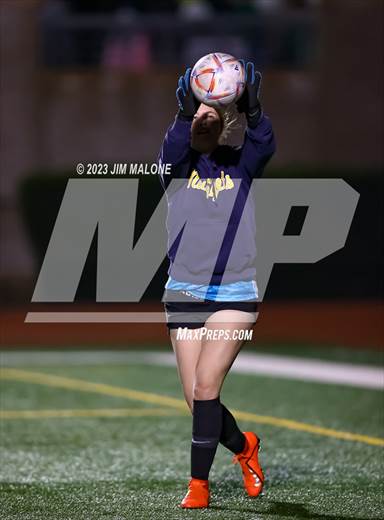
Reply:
x=302, y=369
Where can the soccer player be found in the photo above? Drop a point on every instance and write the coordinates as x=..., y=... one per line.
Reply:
x=211, y=285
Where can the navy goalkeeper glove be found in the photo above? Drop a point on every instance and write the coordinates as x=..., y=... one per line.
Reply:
x=249, y=102
x=188, y=104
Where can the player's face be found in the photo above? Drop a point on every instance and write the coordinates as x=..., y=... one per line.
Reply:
x=206, y=129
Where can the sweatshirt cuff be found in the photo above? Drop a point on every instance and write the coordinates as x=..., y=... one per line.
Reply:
x=180, y=115
x=263, y=125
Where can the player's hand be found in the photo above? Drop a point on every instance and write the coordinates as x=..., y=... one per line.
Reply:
x=188, y=104
x=249, y=102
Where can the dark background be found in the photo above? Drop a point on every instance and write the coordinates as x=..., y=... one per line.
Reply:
x=94, y=82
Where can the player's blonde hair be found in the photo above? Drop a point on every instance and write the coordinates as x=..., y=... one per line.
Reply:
x=229, y=120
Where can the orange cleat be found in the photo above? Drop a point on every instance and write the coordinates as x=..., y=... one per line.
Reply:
x=248, y=459
x=197, y=495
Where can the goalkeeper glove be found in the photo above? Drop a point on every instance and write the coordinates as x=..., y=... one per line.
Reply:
x=249, y=101
x=188, y=104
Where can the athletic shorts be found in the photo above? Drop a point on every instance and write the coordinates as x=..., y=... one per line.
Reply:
x=184, y=310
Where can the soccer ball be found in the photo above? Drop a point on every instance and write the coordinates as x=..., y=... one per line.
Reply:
x=218, y=79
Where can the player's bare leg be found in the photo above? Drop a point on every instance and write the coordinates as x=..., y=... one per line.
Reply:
x=217, y=355
x=187, y=353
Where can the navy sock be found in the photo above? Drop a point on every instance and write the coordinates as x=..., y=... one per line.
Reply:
x=231, y=437
x=206, y=429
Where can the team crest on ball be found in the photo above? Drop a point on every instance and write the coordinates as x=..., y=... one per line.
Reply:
x=218, y=79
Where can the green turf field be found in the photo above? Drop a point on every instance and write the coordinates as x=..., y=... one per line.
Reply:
x=96, y=441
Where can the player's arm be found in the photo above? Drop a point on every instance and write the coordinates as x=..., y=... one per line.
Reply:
x=259, y=141
x=176, y=148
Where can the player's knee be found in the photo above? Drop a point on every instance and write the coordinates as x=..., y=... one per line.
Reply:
x=204, y=390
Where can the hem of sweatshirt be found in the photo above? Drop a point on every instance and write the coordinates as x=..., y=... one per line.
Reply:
x=178, y=273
